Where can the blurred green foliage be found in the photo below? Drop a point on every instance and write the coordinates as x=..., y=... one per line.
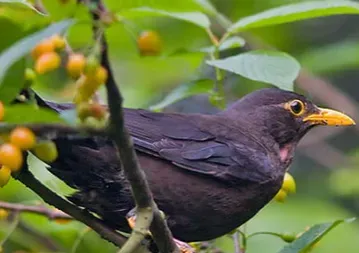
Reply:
x=180, y=72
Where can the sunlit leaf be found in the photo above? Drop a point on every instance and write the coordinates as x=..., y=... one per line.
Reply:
x=21, y=2
x=59, y=10
x=277, y=68
x=295, y=12
x=196, y=18
x=312, y=236
x=184, y=91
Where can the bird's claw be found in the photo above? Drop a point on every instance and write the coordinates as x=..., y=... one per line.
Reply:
x=182, y=246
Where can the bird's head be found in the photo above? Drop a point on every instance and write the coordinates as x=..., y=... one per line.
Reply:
x=283, y=116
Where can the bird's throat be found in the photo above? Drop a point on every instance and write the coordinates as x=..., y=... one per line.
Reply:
x=286, y=153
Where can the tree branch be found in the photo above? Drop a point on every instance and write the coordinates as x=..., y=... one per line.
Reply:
x=28, y=179
x=36, y=209
x=148, y=215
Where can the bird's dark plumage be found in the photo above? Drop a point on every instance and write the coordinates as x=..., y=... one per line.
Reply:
x=208, y=173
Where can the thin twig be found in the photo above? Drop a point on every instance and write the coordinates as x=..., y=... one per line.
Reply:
x=38, y=209
x=35, y=235
x=148, y=215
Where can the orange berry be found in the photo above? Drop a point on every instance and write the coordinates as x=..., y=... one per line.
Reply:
x=58, y=41
x=5, y=174
x=85, y=110
x=149, y=43
x=2, y=110
x=47, y=62
x=76, y=65
x=43, y=47
x=23, y=138
x=11, y=156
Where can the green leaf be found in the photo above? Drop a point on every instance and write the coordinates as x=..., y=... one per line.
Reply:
x=184, y=91
x=23, y=47
x=295, y=12
x=175, y=6
x=20, y=114
x=312, y=236
x=320, y=60
x=59, y=10
x=13, y=81
x=232, y=42
x=196, y=18
x=277, y=68
x=21, y=2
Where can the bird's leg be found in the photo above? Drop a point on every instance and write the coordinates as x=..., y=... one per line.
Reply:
x=183, y=246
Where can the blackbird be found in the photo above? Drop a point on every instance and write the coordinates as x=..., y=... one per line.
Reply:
x=208, y=173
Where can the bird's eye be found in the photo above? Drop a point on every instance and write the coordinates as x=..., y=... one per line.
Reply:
x=296, y=107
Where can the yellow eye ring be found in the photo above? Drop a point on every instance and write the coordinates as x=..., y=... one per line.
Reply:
x=296, y=107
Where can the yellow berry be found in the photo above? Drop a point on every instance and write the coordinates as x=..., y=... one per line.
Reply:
x=289, y=183
x=58, y=41
x=149, y=43
x=11, y=156
x=46, y=46
x=5, y=174
x=2, y=110
x=46, y=151
x=101, y=75
x=280, y=196
x=23, y=138
x=3, y=214
x=47, y=62
x=76, y=65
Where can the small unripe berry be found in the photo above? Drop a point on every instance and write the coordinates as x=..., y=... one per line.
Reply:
x=3, y=214
x=5, y=174
x=280, y=196
x=46, y=151
x=11, y=156
x=23, y=138
x=149, y=43
x=47, y=62
x=289, y=183
x=101, y=75
x=75, y=65
x=288, y=237
x=43, y=47
x=30, y=75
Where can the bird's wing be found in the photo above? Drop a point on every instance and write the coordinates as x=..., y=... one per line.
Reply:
x=178, y=139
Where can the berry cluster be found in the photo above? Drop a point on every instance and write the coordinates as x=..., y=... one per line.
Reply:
x=19, y=140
